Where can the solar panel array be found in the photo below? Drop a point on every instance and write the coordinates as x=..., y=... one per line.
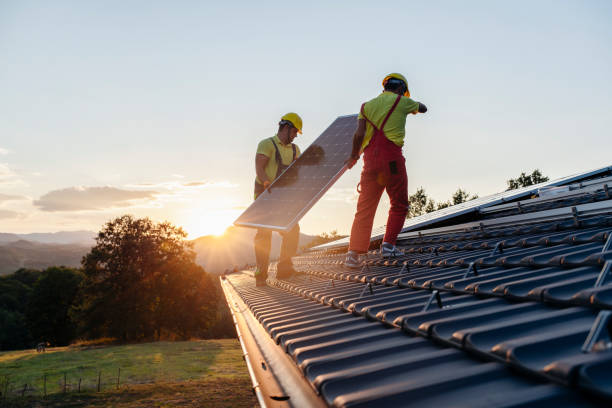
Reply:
x=299, y=187
x=474, y=205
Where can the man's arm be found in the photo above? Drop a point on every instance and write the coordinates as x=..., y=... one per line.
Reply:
x=357, y=142
x=261, y=160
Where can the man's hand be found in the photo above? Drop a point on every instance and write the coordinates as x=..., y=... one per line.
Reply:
x=266, y=184
x=350, y=162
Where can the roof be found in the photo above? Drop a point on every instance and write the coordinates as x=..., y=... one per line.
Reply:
x=511, y=309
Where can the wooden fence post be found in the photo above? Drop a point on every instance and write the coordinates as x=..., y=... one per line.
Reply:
x=118, y=375
x=79, y=385
x=99, y=373
x=64, y=383
x=45, y=385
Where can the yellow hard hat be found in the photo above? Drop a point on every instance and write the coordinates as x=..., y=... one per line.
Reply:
x=295, y=120
x=401, y=78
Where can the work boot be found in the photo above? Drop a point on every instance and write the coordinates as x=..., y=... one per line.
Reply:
x=285, y=271
x=388, y=250
x=260, y=280
x=352, y=260
x=260, y=277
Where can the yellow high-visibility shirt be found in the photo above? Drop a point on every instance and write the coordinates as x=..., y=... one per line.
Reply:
x=395, y=128
x=266, y=148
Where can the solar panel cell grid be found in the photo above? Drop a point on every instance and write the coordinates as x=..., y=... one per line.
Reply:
x=297, y=189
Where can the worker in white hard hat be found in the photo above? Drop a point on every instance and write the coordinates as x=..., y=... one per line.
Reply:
x=274, y=155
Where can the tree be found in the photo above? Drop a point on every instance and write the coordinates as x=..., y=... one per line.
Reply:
x=14, y=333
x=141, y=282
x=525, y=180
x=52, y=297
x=15, y=291
x=421, y=204
x=322, y=239
x=461, y=196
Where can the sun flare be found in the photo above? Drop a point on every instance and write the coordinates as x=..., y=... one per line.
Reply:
x=210, y=224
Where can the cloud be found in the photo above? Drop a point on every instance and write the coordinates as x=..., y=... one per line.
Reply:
x=4, y=152
x=8, y=214
x=9, y=197
x=185, y=185
x=8, y=176
x=90, y=198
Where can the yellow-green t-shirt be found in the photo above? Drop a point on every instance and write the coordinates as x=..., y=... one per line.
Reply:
x=376, y=110
x=266, y=148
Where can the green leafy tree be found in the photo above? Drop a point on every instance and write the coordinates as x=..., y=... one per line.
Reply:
x=14, y=332
x=462, y=196
x=52, y=297
x=323, y=238
x=421, y=204
x=141, y=282
x=525, y=180
x=15, y=291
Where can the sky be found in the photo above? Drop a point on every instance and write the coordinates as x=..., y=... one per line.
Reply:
x=156, y=108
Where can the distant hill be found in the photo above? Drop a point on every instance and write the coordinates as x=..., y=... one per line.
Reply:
x=41, y=250
x=61, y=237
x=36, y=255
x=234, y=248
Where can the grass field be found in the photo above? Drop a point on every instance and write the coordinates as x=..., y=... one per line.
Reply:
x=205, y=373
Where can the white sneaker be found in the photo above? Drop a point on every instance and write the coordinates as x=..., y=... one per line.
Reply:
x=352, y=260
x=388, y=250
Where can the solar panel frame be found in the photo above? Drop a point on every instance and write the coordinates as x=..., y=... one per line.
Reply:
x=276, y=193
x=470, y=206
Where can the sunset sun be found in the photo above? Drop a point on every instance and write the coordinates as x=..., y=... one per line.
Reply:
x=209, y=224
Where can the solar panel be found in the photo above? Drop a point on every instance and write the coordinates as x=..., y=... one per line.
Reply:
x=473, y=205
x=303, y=183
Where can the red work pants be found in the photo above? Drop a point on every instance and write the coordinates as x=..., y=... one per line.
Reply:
x=384, y=168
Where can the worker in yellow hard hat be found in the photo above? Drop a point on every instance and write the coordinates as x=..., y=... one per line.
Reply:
x=274, y=155
x=380, y=136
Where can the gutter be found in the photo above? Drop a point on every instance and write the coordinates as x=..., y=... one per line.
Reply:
x=277, y=382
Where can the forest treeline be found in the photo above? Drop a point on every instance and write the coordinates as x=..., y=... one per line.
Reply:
x=139, y=282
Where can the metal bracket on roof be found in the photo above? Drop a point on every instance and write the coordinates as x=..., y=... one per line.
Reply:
x=498, y=247
x=575, y=215
x=434, y=295
x=367, y=286
x=599, y=337
x=366, y=267
x=471, y=268
x=603, y=274
x=608, y=245
x=518, y=205
x=606, y=190
x=481, y=226
x=405, y=268
x=331, y=283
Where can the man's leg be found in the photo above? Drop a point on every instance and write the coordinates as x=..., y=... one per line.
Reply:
x=397, y=189
x=288, y=250
x=263, y=242
x=371, y=191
